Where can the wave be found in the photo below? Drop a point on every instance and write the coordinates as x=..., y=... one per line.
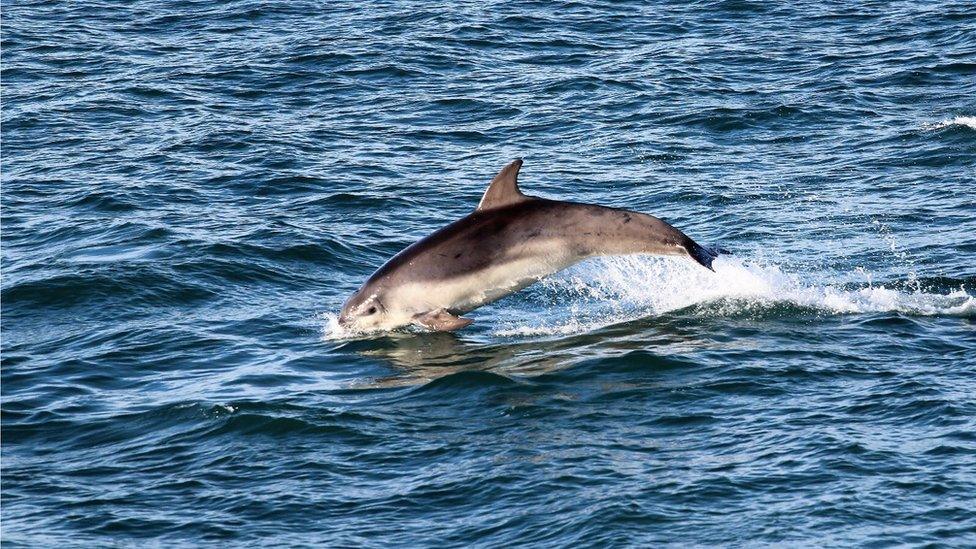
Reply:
x=966, y=121
x=622, y=289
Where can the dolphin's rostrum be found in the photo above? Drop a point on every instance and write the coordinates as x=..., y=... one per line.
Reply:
x=509, y=242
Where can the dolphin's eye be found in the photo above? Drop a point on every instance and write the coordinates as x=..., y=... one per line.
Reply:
x=371, y=310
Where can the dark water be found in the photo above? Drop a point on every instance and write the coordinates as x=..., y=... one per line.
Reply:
x=191, y=189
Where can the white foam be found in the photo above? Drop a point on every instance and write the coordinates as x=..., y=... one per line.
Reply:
x=621, y=289
x=968, y=121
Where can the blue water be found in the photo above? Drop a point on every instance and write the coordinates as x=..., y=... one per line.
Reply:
x=190, y=190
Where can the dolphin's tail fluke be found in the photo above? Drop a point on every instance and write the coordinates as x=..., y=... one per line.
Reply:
x=704, y=255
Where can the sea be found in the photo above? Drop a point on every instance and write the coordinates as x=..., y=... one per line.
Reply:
x=189, y=191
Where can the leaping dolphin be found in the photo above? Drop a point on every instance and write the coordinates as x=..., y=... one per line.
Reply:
x=509, y=242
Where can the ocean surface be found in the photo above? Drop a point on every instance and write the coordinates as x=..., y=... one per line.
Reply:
x=190, y=190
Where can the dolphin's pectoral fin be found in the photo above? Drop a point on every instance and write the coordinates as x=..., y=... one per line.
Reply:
x=441, y=321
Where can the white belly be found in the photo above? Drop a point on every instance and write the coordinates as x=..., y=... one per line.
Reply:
x=523, y=268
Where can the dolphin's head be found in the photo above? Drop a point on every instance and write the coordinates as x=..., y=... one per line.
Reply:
x=365, y=311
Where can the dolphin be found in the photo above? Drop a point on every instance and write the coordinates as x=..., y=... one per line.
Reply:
x=508, y=242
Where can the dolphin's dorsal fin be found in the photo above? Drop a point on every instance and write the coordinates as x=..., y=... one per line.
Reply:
x=503, y=189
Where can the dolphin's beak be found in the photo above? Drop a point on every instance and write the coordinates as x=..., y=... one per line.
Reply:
x=343, y=320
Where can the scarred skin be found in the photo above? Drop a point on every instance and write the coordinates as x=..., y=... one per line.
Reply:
x=494, y=252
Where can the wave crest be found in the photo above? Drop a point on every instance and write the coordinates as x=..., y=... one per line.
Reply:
x=967, y=121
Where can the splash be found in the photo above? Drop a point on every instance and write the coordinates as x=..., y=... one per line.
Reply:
x=967, y=121
x=333, y=331
x=621, y=289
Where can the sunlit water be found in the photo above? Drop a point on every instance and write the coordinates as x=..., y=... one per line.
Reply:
x=191, y=190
